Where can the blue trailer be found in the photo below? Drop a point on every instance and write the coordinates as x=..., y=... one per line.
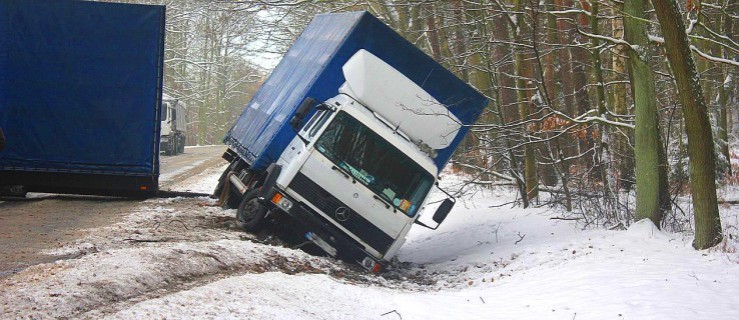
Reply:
x=80, y=94
x=312, y=68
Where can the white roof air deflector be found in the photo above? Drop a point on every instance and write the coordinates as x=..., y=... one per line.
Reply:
x=399, y=100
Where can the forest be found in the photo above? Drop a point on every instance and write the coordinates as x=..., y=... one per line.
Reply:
x=610, y=110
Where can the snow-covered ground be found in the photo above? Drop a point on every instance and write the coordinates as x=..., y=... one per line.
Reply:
x=177, y=259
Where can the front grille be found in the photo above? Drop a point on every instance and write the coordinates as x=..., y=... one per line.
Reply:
x=328, y=204
x=317, y=196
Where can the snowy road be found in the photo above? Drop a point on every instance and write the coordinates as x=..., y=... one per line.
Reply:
x=46, y=221
x=175, y=170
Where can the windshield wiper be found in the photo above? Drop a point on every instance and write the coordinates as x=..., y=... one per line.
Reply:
x=385, y=202
x=344, y=173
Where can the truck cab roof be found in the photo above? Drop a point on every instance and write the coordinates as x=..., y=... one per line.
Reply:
x=400, y=101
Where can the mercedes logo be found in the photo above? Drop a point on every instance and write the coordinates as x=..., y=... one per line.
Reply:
x=342, y=214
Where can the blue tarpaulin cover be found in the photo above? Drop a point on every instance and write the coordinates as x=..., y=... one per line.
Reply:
x=80, y=86
x=312, y=68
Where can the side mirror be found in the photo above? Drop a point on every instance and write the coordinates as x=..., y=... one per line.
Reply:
x=303, y=110
x=443, y=210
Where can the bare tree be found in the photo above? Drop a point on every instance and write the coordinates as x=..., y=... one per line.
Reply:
x=698, y=127
x=651, y=180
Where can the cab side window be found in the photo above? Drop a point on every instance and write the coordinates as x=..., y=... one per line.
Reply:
x=314, y=124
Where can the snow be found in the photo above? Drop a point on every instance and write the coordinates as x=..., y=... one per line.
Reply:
x=269, y=296
x=484, y=262
x=712, y=58
x=560, y=271
x=203, y=183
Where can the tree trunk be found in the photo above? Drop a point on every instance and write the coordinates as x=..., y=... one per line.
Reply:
x=648, y=141
x=506, y=99
x=523, y=72
x=580, y=58
x=603, y=153
x=622, y=151
x=723, y=121
x=460, y=46
x=568, y=146
x=722, y=101
x=432, y=33
x=548, y=88
x=700, y=138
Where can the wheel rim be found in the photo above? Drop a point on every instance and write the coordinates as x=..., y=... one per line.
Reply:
x=250, y=211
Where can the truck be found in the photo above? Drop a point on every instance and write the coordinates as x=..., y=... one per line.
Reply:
x=80, y=96
x=346, y=139
x=174, y=126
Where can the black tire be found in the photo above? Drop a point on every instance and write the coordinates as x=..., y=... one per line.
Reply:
x=251, y=212
x=234, y=198
x=173, y=146
x=180, y=144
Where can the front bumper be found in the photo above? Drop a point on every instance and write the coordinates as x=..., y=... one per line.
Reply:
x=323, y=233
x=164, y=143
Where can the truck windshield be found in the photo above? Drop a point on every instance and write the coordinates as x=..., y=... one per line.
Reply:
x=374, y=162
x=165, y=107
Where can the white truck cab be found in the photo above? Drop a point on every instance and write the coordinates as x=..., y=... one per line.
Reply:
x=360, y=169
x=173, y=126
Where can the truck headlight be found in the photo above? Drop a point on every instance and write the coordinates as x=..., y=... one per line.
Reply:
x=371, y=265
x=282, y=202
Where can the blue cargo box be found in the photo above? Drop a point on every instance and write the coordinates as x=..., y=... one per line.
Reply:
x=312, y=68
x=80, y=93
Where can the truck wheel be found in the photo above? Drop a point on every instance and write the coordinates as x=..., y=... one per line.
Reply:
x=182, y=144
x=173, y=147
x=250, y=212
